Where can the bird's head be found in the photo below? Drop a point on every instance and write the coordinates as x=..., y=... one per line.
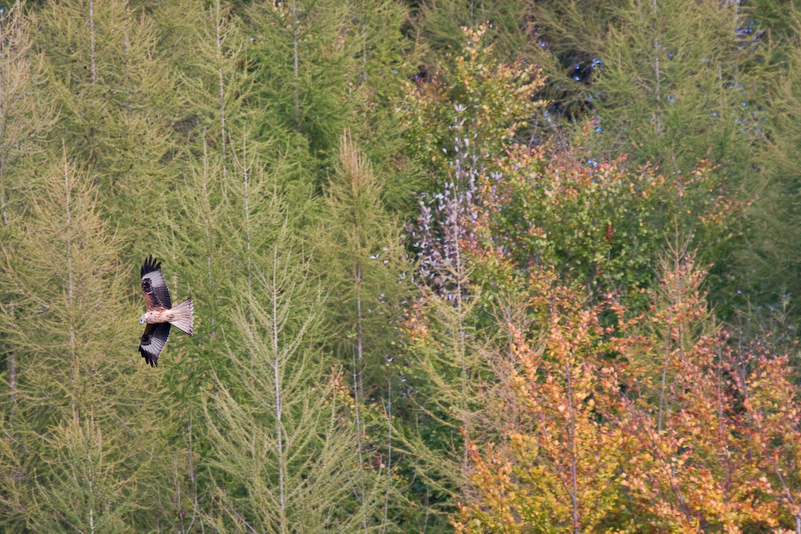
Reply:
x=142, y=319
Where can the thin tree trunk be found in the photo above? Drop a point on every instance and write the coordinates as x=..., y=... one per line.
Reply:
x=389, y=454
x=245, y=169
x=278, y=405
x=218, y=25
x=658, y=118
x=460, y=334
x=91, y=476
x=2, y=122
x=359, y=440
x=73, y=363
x=364, y=42
x=92, y=39
x=12, y=357
x=357, y=376
x=663, y=386
x=195, y=505
x=297, y=78
x=206, y=207
x=12, y=366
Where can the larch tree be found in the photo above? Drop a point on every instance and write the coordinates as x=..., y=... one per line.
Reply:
x=363, y=263
x=83, y=435
x=698, y=91
x=117, y=108
x=386, y=61
x=25, y=118
x=305, y=60
x=284, y=450
x=440, y=23
x=25, y=112
x=217, y=192
x=769, y=259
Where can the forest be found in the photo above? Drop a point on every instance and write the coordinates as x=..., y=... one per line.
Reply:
x=458, y=266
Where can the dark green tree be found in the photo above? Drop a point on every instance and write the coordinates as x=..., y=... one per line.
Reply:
x=770, y=259
x=363, y=264
x=440, y=24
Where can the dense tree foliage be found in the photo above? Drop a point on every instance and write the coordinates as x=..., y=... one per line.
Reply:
x=458, y=266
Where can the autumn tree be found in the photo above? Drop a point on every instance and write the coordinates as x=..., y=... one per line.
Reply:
x=682, y=432
x=666, y=395
x=555, y=463
x=771, y=428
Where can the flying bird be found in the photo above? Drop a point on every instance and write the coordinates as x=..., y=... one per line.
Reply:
x=160, y=314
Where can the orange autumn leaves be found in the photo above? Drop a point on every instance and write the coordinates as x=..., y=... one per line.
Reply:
x=565, y=455
x=650, y=424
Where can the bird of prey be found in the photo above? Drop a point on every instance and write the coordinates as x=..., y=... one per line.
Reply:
x=160, y=314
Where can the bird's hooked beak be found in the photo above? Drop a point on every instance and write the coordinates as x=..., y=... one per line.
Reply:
x=142, y=320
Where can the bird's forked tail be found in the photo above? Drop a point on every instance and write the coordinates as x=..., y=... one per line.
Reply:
x=183, y=316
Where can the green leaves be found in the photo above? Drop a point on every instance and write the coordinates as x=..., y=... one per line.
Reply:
x=479, y=98
x=600, y=222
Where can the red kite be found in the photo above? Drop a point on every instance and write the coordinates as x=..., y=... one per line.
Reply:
x=160, y=315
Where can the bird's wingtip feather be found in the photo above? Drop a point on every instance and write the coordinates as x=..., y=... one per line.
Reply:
x=150, y=265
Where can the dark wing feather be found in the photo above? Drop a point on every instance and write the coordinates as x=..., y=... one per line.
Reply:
x=153, y=341
x=157, y=294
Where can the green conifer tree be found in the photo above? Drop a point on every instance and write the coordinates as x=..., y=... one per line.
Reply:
x=282, y=438
x=363, y=264
x=25, y=111
x=386, y=62
x=696, y=94
x=210, y=208
x=770, y=259
x=306, y=62
x=118, y=108
x=296, y=44
x=441, y=22
x=83, y=436
x=25, y=116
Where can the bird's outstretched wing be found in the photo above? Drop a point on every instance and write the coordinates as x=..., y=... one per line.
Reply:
x=153, y=340
x=157, y=294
